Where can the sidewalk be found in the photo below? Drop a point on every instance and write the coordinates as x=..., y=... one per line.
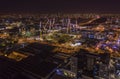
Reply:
x=86, y=77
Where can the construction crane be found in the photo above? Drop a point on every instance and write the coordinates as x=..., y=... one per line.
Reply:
x=40, y=30
x=68, y=25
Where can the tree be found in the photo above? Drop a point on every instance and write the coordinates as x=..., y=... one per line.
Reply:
x=62, y=38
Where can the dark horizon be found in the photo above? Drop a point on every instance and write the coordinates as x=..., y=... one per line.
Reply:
x=54, y=6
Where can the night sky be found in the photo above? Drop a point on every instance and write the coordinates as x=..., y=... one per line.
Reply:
x=60, y=6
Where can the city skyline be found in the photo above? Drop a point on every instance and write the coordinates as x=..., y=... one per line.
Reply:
x=59, y=46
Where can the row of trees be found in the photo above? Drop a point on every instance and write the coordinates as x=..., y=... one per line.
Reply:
x=61, y=38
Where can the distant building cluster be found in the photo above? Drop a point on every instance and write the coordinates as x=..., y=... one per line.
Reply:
x=60, y=46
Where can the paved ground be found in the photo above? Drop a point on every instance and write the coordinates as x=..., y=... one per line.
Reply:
x=86, y=77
